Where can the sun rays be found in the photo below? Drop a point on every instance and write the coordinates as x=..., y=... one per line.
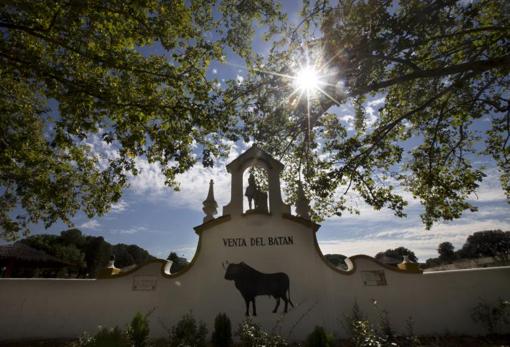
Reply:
x=308, y=79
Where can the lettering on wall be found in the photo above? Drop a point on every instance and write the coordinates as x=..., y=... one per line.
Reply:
x=258, y=241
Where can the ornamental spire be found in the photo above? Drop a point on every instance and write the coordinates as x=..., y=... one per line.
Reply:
x=210, y=205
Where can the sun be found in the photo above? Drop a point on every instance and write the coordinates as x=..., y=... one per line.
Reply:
x=307, y=79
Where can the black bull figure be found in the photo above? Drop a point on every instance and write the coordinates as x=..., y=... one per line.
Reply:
x=251, y=283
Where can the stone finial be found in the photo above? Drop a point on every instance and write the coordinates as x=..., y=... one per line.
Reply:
x=109, y=270
x=408, y=265
x=210, y=205
x=302, y=203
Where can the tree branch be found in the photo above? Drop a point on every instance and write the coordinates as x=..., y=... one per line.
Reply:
x=474, y=66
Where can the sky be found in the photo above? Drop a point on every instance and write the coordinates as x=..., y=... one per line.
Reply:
x=161, y=220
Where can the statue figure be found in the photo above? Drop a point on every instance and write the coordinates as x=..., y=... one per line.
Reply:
x=251, y=190
x=253, y=193
x=261, y=201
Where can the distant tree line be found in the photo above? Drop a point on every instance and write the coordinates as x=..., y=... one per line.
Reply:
x=397, y=254
x=488, y=243
x=85, y=254
x=178, y=263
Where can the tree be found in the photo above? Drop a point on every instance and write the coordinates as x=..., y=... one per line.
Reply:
x=126, y=255
x=398, y=253
x=438, y=68
x=86, y=254
x=129, y=75
x=336, y=259
x=490, y=243
x=178, y=262
x=446, y=251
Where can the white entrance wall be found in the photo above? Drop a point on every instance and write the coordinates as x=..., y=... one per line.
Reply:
x=438, y=302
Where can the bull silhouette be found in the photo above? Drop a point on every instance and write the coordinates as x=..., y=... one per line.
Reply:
x=251, y=283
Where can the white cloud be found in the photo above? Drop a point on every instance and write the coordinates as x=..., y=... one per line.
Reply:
x=490, y=189
x=377, y=102
x=372, y=115
x=130, y=231
x=349, y=120
x=422, y=242
x=214, y=71
x=102, y=150
x=239, y=79
x=90, y=224
x=119, y=207
x=150, y=181
x=194, y=184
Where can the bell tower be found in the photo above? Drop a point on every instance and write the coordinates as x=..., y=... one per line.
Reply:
x=255, y=157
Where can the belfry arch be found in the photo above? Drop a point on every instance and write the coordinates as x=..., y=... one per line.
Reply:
x=273, y=168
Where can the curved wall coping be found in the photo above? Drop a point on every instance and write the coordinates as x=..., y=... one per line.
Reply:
x=427, y=273
x=351, y=261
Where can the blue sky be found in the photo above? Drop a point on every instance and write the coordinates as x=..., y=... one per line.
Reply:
x=161, y=220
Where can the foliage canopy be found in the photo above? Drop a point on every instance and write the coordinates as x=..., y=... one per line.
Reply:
x=438, y=68
x=428, y=82
x=93, y=62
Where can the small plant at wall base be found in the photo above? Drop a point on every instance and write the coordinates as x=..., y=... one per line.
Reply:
x=364, y=335
x=492, y=316
x=319, y=338
x=104, y=338
x=411, y=340
x=222, y=334
x=188, y=332
x=252, y=335
x=138, y=330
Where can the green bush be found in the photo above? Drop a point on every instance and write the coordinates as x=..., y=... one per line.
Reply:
x=105, y=338
x=492, y=316
x=364, y=335
x=138, y=330
x=222, y=334
x=319, y=338
x=251, y=335
x=187, y=332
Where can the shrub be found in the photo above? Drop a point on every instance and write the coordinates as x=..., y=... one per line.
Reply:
x=138, y=330
x=492, y=316
x=319, y=338
x=187, y=332
x=251, y=335
x=364, y=335
x=222, y=335
x=105, y=338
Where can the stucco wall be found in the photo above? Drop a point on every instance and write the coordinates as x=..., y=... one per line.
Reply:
x=438, y=302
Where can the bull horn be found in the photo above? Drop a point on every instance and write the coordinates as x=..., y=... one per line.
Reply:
x=223, y=264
